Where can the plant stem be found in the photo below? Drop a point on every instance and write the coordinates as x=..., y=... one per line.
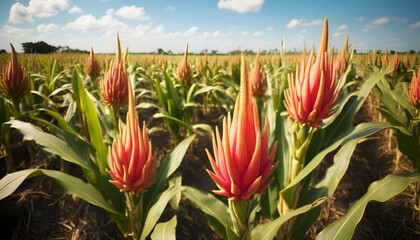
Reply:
x=302, y=136
x=416, y=213
x=240, y=214
x=135, y=213
x=115, y=112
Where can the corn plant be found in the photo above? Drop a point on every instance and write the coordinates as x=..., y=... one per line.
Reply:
x=177, y=103
x=91, y=154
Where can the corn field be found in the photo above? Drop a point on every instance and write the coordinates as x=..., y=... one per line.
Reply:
x=322, y=144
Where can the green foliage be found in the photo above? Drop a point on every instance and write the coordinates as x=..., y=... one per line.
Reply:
x=165, y=231
x=38, y=47
x=397, y=110
x=379, y=191
x=64, y=115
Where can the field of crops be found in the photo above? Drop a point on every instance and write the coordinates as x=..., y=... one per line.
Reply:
x=323, y=144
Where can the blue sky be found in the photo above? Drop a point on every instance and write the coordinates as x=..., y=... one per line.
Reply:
x=222, y=25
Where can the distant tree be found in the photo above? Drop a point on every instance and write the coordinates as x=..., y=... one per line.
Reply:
x=38, y=47
x=213, y=51
x=3, y=51
x=203, y=52
x=392, y=52
x=412, y=51
x=160, y=51
x=74, y=51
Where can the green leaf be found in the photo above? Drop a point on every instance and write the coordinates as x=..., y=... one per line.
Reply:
x=165, y=231
x=218, y=227
x=269, y=200
x=167, y=167
x=176, y=181
x=205, y=127
x=269, y=230
x=362, y=130
x=379, y=191
x=338, y=125
x=54, y=144
x=68, y=184
x=336, y=172
x=325, y=188
x=210, y=205
x=89, y=111
x=61, y=121
x=172, y=118
x=154, y=213
x=408, y=145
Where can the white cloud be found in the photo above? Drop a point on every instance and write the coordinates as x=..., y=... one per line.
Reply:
x=47, y=29
x=415, y=25
x=258, y=34
x=110, y=11
x=315, y=22
x=339, y=32
x=300, y=38
x=39, y=8
x=214, y=34
x=360, y=19
x=132, y=12
x=141, y=30
x=106, y=24
x=170, y=8
x=191, y=31
x=375, y=23
x=10, y=31
x=304, y=30
x=294, y=23
x=74, y=10
x=241, y=6
x=342, y=27
x=380, y=21
x=19, y=13
x=300, y=22
x=244, y=33
x=269, y=29
x=47, y=8
x=158, y=30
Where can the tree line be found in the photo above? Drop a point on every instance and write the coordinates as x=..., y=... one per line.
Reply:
x=45, y=48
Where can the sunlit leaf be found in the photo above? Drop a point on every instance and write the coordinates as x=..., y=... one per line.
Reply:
x=379, y=191
x=165, y=230
x=68, y=184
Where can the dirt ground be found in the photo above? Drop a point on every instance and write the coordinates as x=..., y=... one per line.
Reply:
x=34, y=211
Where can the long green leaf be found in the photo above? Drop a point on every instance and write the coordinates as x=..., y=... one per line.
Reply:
x=379, y=191
x=53, y=144
x=165, y=231
x=338, y=125
x=61, y=121
x=360, y=131
x=325, y=188
x=336, y=172
x=95, y=133
x=209, y=204
x=154, y=213
x=167, y=167
x=68, y=184
x=172, y=118
x=269, y=230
